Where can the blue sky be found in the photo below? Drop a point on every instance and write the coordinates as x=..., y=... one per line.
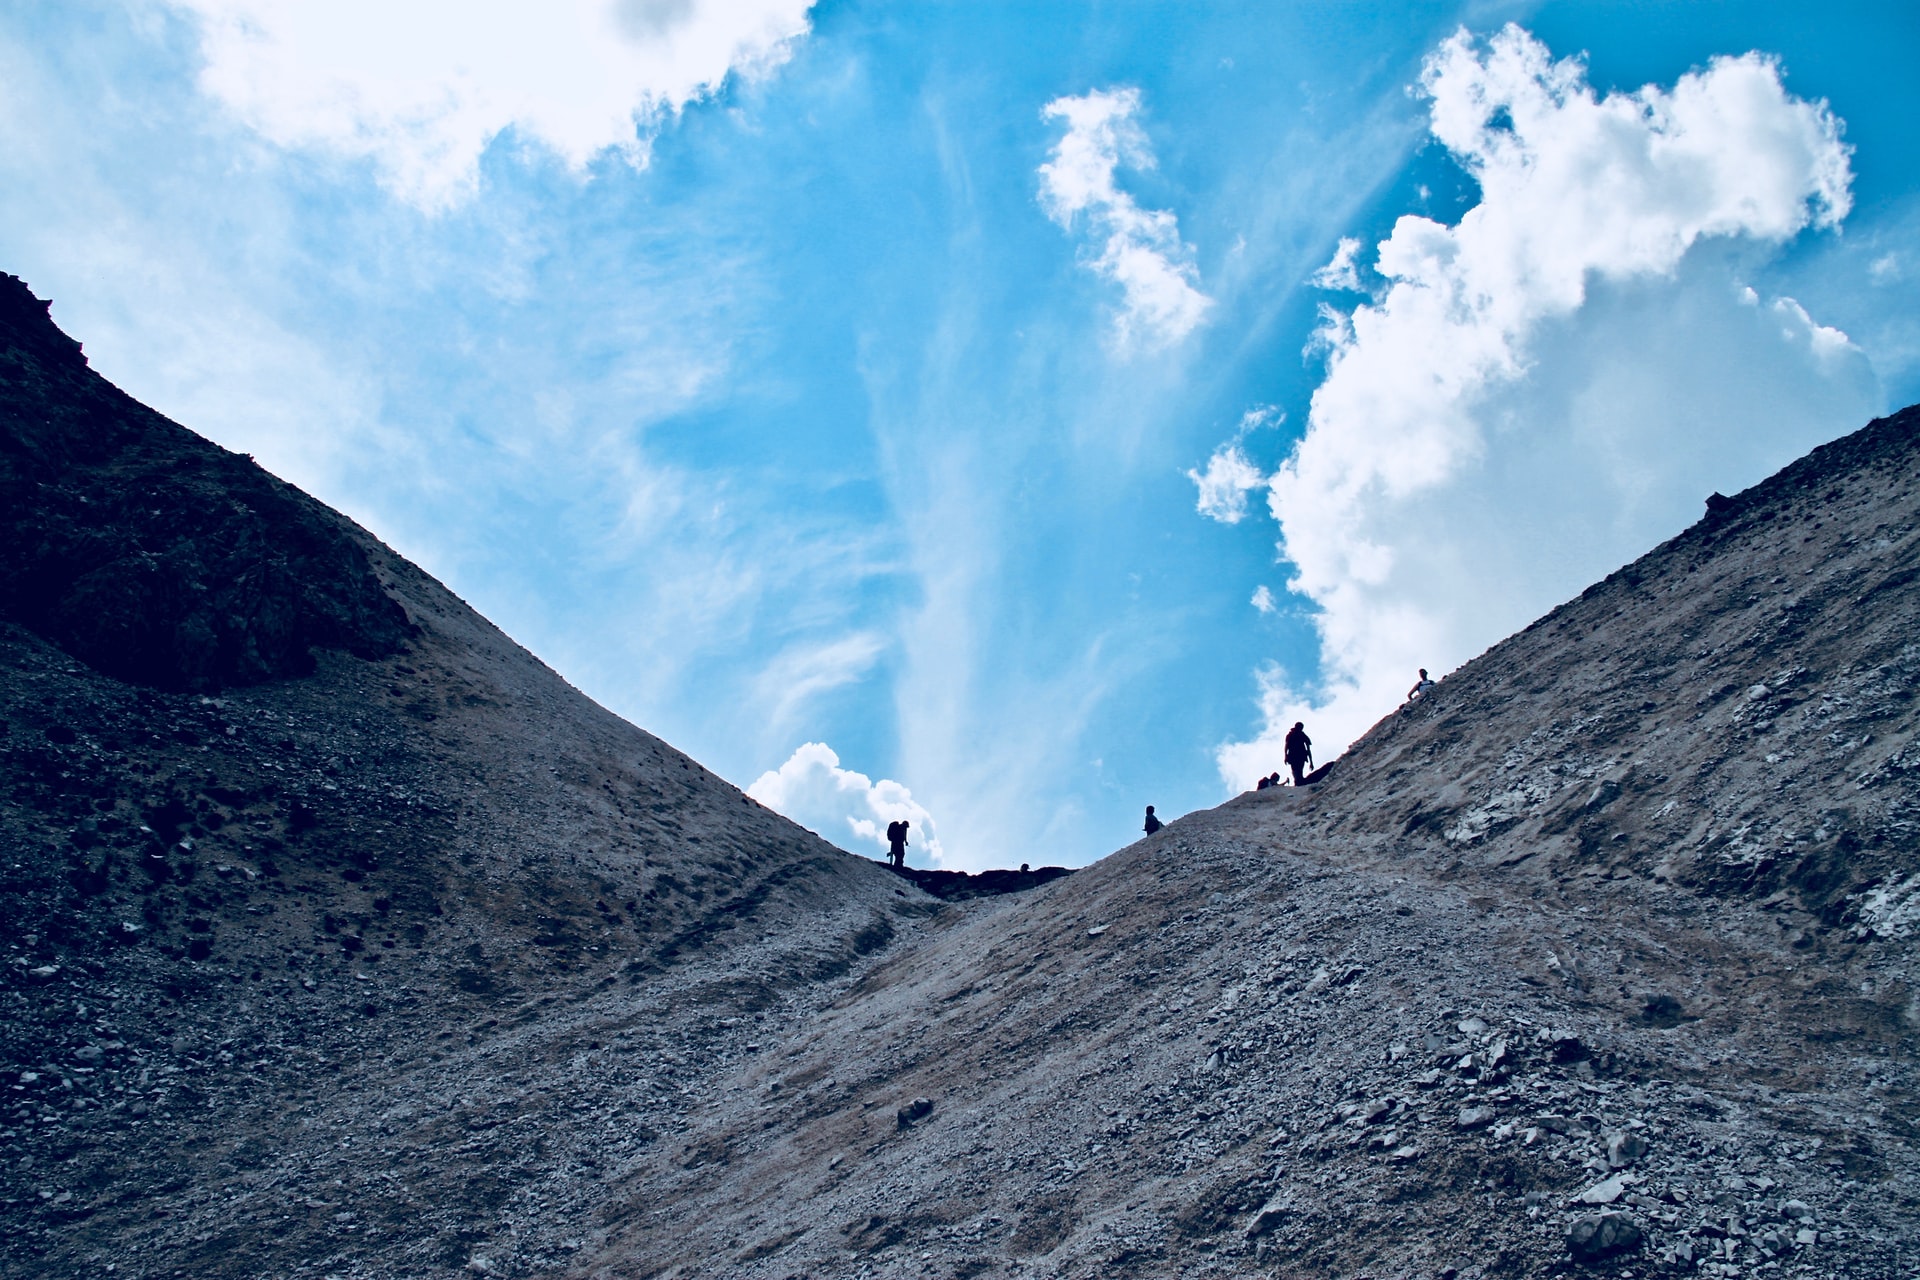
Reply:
x=1003, y=416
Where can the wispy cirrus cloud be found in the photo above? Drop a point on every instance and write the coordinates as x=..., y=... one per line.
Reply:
x=1138, y=249
x=1477, y=443
x=422, y=87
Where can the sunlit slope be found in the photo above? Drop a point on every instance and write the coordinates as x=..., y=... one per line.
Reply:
x=1559, y=969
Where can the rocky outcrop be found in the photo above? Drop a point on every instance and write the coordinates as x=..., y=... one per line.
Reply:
x=151, y=554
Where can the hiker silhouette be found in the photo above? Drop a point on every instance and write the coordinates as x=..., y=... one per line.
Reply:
x=1153, y=823
x=1299, y=752
x=897, y=844
x=1420, y=687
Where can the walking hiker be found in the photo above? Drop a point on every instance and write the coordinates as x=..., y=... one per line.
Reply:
x=1299, y=752
x=1153, y=823
x=897, y=844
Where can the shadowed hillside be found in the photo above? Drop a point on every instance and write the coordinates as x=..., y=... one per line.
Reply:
x=292, y=834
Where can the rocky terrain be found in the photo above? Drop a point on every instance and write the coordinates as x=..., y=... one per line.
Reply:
x=350, y=941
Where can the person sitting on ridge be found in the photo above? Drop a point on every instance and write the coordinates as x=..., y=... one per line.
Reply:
x=1299, y=752
x=1153, y=823
x=1420, y=687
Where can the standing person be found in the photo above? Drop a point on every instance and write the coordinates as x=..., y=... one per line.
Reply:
x=1153, y=823
x=897, y=844
x=1299, y=752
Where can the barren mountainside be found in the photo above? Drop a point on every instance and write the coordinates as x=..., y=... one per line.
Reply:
x=348, y=940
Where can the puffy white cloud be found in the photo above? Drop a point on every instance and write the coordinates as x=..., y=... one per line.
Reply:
x=1481, y=444
x=1225, y=484
x=421, y=87
x=1139, y=249
x=1343, y=272
x=845, y=807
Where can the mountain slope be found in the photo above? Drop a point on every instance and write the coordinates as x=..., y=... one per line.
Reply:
x=350, y=941
x=1616, y=923
x=292, y=836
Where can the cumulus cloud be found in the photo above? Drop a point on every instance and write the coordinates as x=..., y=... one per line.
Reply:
x=421, y=87
x=1138, y=249
x=1474, y=446
x=1343, y=272
x=848, y=808
x=1225, y=484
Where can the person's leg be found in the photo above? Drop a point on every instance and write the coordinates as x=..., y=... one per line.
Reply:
x=1295, y=765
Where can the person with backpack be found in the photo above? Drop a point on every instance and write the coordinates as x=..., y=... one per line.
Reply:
x=1299, y=752
x=897, y=844
x=1153, y=823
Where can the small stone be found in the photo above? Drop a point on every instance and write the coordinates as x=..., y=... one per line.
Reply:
x=1409, y=1152
x=1268, y=1216
x=1474, y=1117
x=1606, y=1191
x=914, y=1112
x=1803, y=1236
x=1796, y=1210
x=1377, y=1110
x=1097, y=930
x=1429, y=1079
x=1596, y=1236
x=1624, y=1148
x=1563, y=1125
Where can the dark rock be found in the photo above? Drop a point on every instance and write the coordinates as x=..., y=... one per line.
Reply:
x=1624, y=1148
x=1594, y=1237
x=914, y=1112
x=1663, y=1011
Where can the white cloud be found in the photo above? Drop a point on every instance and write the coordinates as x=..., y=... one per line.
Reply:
x=1797, y=326
x=421, y=87
x=1461, y=469
x=1343, y=272
x=803, y=672
x=1139, y=249
x=1225, y=484
x=1263, y=599
x=845, y=807
x=1885, y=269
